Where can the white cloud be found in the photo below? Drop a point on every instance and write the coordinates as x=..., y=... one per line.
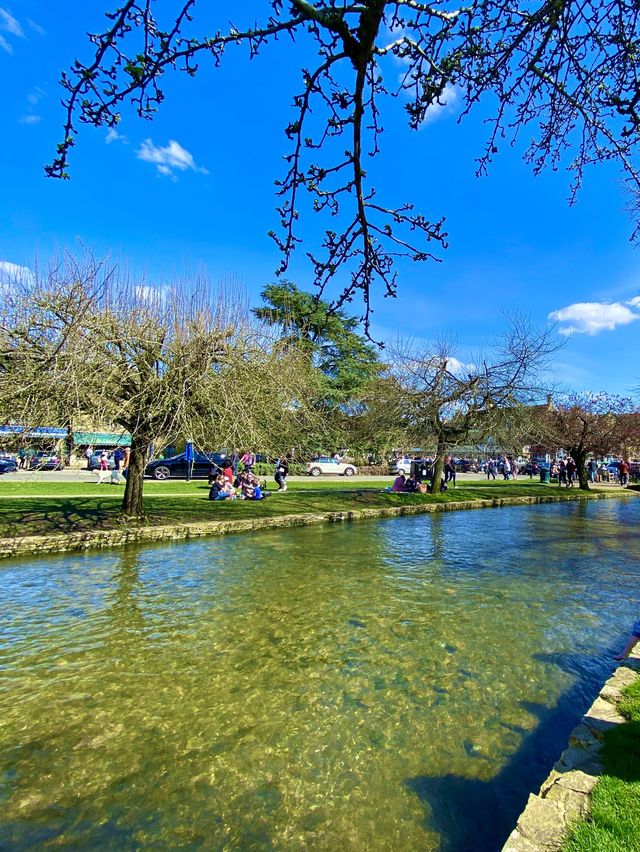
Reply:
x=114, y=136
x=457, y=367
x=11, y=273
x=4, y=44
x=36, y=27
x=8, y=24
x=36, y=96
x=154, y=295
x=443, y=106
x=594, y=317
x=169, y=159
x=635, y=302
x=30, y=118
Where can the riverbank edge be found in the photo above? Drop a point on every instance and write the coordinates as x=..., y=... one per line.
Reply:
x=101, y=539
x=564, y=798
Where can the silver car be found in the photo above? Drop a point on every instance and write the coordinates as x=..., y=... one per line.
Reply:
x=325, y=464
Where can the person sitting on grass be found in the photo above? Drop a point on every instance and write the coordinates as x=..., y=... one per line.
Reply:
x=410, y=485
x=221, y=489
x=398, y=485
x=252, y=489
x=633, y=641
x=214, y=472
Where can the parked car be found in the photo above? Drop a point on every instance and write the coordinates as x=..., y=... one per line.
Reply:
x=466, y=466
x=177, y=466
x=324, y=464
x=45, y=460
x=398, y=466
x=8, y=465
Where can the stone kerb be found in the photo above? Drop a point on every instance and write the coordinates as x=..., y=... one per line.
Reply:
x=565, y=796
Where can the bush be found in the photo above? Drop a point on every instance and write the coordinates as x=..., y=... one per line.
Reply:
x=267, y=469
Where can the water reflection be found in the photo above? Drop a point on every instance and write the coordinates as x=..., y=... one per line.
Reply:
x=329, y=687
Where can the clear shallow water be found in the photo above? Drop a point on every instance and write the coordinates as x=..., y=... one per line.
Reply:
x=392, y=685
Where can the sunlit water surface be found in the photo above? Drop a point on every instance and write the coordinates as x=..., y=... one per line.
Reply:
x=393, y=685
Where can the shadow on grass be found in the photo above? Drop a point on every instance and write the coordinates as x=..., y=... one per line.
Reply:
x=469, y=813
x=38, y=517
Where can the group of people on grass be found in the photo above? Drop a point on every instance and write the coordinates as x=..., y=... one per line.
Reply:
x=602, y=473
x=227, y=482
x=245, y=486
x=409, y=485
x=414, y=484
x=507, y=467
x=566, y=471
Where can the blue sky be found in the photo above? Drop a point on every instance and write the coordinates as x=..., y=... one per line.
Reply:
x=193, y=191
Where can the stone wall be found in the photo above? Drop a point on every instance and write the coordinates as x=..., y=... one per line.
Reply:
x=565, y=796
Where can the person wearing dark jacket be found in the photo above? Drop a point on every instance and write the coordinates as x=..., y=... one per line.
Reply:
x=281, y=473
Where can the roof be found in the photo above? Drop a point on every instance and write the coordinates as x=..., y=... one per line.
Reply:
x=111, y=439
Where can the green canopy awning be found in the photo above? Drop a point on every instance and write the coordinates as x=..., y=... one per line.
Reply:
x=106, y=439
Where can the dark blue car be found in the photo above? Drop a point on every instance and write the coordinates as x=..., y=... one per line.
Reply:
x=8, y=466
x=176, y=467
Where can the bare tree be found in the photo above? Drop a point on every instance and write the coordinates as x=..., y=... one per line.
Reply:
x=581, y=424
x=443, y=400
x=568, y=71
x=160, y=362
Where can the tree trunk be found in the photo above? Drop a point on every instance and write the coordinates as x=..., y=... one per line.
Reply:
x=580, y=457
x=132, y=501
x=438, y=467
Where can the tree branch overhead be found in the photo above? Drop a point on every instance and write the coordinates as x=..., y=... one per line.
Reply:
x=565, y=70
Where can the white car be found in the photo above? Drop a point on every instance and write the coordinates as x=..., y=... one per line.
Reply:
x=398, y=466
x=324, y=464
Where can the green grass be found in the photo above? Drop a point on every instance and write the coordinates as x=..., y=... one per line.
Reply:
x=614, y=822
x=42, y=508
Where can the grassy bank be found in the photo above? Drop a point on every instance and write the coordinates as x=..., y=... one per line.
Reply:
x=28, y=508
x=614, y=822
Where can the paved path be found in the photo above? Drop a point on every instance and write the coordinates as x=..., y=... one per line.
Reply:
x=72, y=475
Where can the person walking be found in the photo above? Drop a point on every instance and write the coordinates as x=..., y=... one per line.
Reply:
x=562, y=474
x=248, y=460
x=506, y=469
x=118, y=458
x=491, y=469
x=22, y=457
x=623, y=472
x=125, y=461
x=449, y=470
x=282, y=471
x=103, y=468
x=592, y=469
x=572, y=469
x=87, y=454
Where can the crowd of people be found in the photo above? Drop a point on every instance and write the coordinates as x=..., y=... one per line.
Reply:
x=244, y=486
x=504, y=466
x=228, y=482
